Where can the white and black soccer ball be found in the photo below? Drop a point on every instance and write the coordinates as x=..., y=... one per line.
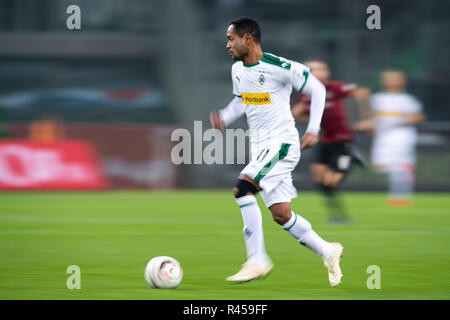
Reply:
x=163, y=272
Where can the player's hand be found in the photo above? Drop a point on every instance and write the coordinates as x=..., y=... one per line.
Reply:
x=361, y=93
x=216, y=120
x=366, y=125
x=413, y=118
x=308, y=140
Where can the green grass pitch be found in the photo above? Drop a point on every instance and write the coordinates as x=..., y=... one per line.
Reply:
x=112, y=235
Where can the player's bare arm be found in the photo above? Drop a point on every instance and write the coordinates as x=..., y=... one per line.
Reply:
x=366, y=125
x=362, y=98
x=222, y=118
x=216, y=120
x=414, y=118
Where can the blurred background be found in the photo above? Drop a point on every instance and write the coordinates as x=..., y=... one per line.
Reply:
x=95, y=108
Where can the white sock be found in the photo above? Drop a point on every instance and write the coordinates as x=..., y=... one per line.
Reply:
x=301, y=229
x=253, y=231
x=401, y=182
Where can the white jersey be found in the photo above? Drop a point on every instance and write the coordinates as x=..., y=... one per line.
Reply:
x=265, y=88
x=395, y=139
x=389, y=109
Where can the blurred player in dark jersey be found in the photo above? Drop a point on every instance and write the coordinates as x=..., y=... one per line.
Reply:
x=335, y=153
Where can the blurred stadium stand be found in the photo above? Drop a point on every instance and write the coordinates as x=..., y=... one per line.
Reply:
x=164, y=63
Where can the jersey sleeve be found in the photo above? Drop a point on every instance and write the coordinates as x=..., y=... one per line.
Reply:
x=298, y=75
x=234, y=110
x=414, y=106
x=235, y=78
x=317, y=91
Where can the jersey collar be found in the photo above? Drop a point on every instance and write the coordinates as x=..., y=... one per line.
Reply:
x=263, y=58
x=251, y=65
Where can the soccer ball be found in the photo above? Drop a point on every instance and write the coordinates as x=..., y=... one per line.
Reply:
x=163, y=272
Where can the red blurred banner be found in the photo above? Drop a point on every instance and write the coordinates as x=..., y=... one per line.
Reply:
x=60, y=165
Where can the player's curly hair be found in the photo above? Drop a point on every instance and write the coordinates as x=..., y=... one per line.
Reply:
x=245, y=25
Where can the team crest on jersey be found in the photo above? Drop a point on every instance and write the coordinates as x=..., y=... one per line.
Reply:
x=261, y=79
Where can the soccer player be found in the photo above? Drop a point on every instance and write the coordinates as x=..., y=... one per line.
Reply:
x=262, y=84
x=395, y=136
x=335, y=154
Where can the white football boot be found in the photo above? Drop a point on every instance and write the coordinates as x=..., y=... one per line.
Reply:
x=332, y=264
x=251, y=271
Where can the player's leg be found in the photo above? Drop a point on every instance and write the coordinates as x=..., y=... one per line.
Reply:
x=334, y=162
x=327, y=182
x=258, y=263
x=401, y=184
x=301, y=230
x=261, y=167
x=318, y=171
x=329, y=186
x=244, y=192
x=396, y=160
x=277, y=193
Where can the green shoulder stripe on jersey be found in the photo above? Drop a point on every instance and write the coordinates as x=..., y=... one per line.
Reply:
x=305, y=74
x=268, y=58
x=269, y=165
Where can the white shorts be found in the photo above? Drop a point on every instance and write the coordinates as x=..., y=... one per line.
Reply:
x=272, y=170
x=394, y=149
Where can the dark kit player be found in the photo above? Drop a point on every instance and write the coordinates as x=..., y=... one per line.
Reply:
x=335, y=153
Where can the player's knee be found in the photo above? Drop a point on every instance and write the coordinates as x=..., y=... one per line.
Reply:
x=317, y=173
x=332, y=179
x=316, y=177
x=280, y=218
x=327, y=182
x=243, y=188
x=280, y=214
